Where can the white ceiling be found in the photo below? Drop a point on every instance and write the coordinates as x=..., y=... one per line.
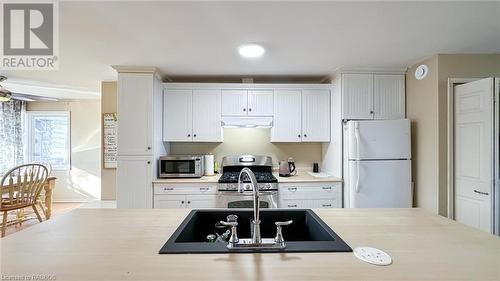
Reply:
x=301, y=38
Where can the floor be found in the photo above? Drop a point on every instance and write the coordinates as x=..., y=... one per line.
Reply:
x=57, y=210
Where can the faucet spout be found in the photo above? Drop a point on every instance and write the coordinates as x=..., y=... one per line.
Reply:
x=256, y=238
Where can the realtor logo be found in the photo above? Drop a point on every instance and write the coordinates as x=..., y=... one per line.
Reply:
x=29, y=36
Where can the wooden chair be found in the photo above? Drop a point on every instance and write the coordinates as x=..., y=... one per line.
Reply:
x=21, y=187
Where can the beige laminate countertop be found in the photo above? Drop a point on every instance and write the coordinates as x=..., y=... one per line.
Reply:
x=123, y=244
x=301, y=176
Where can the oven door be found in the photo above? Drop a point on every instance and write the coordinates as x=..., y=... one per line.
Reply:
x=234, y=199
x=180, y=168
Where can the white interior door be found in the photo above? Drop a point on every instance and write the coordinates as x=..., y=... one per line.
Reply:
x=207, y=116
x=473, y=153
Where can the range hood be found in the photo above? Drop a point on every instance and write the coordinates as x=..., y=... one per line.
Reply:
x=246, y=122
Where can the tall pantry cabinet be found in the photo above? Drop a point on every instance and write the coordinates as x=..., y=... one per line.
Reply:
x=139, y=106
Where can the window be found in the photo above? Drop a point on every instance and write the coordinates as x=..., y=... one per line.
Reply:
x=48, y=138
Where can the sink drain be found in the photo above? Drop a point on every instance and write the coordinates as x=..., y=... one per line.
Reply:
x=372, y=255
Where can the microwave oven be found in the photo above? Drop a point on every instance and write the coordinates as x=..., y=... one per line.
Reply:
x=180, y=166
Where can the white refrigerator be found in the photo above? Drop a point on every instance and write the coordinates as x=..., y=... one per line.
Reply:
x=377, y=164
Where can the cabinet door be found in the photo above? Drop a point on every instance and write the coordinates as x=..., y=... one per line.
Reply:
x=170, y=201
x=234, y=102
x=260, y=102
x=200, y=201
x=134, y=187
x=357, y=96
x=134, y=106
x=177, y=115
x=287, y=116
x=207, y=116
x=389, y=96
x=315, y=115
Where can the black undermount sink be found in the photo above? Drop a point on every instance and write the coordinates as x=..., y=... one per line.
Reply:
x=307, y=233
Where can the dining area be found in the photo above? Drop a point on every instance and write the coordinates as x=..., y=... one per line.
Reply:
x=26, y=192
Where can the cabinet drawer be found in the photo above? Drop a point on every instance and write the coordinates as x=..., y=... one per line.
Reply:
x=309, y=203
x=184, y=189
x=314, y=191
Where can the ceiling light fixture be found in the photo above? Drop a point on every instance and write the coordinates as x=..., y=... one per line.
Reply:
x=251, y=50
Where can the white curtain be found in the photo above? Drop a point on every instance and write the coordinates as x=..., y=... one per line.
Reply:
x=12, y=114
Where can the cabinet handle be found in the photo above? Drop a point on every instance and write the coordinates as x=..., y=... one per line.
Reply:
x=204, y=188
x=292, y=188
x=189, y=135
x=244, y=109
x=292, y=205
x=168, y=188
x=327, y=187
x=480, y=192
x=326, y=205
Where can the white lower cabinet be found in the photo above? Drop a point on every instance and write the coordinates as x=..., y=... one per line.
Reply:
x=310, y=195
x=184, y=195
x=133, y=182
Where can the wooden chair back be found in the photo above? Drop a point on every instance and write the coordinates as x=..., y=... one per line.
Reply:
x=23, y=184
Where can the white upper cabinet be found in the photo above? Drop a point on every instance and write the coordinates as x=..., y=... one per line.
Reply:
x=389, y=96
x=287, y=116
x=207, y=116
x=357, y=95
x=260, y=103
x=373, y=96
x=135, y=113
x=315, y=115
x=234, y=102
x=177, y=115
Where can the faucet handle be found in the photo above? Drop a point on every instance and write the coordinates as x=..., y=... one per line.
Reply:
x=234, y=235
x=279, y=234
x=283, y=223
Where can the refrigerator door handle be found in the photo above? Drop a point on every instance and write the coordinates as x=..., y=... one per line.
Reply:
x=356, y=136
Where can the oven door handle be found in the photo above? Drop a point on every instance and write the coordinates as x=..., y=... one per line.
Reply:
x=247, y=193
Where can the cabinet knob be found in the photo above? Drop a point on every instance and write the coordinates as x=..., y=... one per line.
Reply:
x=194, y=136
x=305, y=135
x=149, y=147
x=249, y=109
x=371, y=112
x=182, y=202
x=244, y=109
x=189, y=135
x=149, y=162
x=298, y=136
x=189, y=202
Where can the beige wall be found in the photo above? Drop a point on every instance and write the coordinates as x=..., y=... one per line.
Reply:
x=427, y=107
x=108, y=176
x=256, y=142
x=83, y=182
x=422, y=110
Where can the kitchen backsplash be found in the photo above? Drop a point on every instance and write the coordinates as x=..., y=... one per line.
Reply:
x=253, y=141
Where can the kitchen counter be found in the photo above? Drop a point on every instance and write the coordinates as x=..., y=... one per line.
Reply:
x=204, y=179
x=303, y=176
x=123, y=244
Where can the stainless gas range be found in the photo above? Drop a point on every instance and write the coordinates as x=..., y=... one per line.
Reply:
x=262, y=166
